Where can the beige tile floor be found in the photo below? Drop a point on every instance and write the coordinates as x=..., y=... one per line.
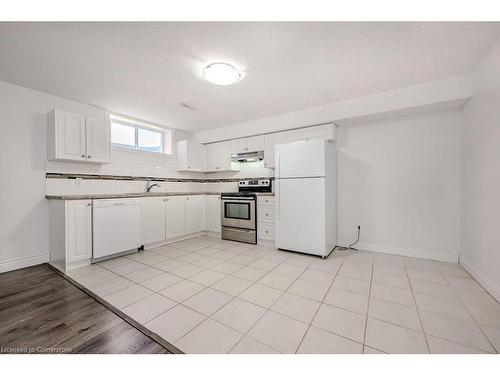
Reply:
x=206, y=295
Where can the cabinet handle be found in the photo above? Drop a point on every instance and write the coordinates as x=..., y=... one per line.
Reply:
x=189, y=167
x=89, y=204
x=267, y=214
x=89, y=156
x=168, y=199
x=187, y=198
x=83, y=156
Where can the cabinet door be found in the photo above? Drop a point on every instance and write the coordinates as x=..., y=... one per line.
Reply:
x=320, y=131
x=182, y=155
x=213, y=213
x=270, y=141
x=226, y=149
x=78, y=230
x=236, y=145
x=98, y=140
x=196, y=156
x=194, y=221
x=175, y=216
x=212, y=157
x=255, y=143
x=70, y=136
x=152, y=220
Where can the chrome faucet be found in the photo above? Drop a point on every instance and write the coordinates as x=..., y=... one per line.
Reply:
x=149, y=186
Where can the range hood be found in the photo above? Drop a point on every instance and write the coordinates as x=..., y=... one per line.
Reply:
x=243, y=157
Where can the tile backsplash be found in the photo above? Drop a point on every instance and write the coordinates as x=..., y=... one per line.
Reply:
x=77, y=186
x=128, y=172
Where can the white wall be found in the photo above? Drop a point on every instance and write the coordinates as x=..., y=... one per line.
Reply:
x=24, y=220
x=24, y=233
x=481, y=176
x=400, y=180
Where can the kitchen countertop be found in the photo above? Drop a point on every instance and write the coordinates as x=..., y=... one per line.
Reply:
x=135, y=195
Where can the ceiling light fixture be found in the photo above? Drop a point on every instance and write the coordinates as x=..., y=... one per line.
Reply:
x=221, y=74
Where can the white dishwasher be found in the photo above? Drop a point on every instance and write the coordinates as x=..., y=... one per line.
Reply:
x=116, y=225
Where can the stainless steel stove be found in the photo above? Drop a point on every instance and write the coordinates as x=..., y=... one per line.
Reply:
x=239, y=210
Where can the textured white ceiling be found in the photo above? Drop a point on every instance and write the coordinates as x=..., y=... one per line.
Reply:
x=147, y=69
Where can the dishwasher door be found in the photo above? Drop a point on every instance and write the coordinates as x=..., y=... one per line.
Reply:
x=116, y=225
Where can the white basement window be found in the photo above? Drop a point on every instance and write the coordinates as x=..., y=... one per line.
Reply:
x=139, y=136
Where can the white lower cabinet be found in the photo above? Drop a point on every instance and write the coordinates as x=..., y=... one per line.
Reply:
x=161, y=219
x=213, y=213
x=153, y=215
x=70, y=233
x=265, y=220
x=266, y=232
x=194, y=213
x=78, y=230
x=175, y=216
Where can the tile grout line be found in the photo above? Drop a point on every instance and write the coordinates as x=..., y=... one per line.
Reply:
x=472, y=317
x=368, y=308
x=266, y=309
x=319, y=307
x=418, y=311
x=269, y=308
x=233, y=298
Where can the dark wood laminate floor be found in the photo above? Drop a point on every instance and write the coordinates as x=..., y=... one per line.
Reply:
x=40, y=309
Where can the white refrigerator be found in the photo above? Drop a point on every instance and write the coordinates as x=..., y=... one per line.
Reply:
x=306, y=196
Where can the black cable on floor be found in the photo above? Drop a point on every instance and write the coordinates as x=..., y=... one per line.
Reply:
x=341, y=248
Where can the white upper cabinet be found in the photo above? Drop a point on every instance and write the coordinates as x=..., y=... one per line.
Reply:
x=175, y=216
x=66, y=136
x=271, y=140
x=73, y=137
x=304, y=134
x=218, y=157
x=236, y=145
x=213, y=157
x=245, y=144
x=152, y=220
x=190, y=156
x=194, y=213
x=255, y=143
x=98, y=140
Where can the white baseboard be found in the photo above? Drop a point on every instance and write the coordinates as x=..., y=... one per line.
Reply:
x=11, y=265
x=488, y=284
x=403, y=251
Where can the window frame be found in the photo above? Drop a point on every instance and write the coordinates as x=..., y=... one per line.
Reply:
x=136, y=125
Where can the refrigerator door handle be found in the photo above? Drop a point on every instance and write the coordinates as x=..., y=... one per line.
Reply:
x=278, y=206
x=278, y=165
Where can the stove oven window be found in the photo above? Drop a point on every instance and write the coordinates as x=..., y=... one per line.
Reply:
x=238, y=210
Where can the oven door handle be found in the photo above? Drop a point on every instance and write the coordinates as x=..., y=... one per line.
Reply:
x=238, y=200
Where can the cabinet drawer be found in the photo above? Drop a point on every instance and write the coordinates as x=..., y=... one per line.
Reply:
x=266, y=200
x=266, y=214
x=266, y=232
